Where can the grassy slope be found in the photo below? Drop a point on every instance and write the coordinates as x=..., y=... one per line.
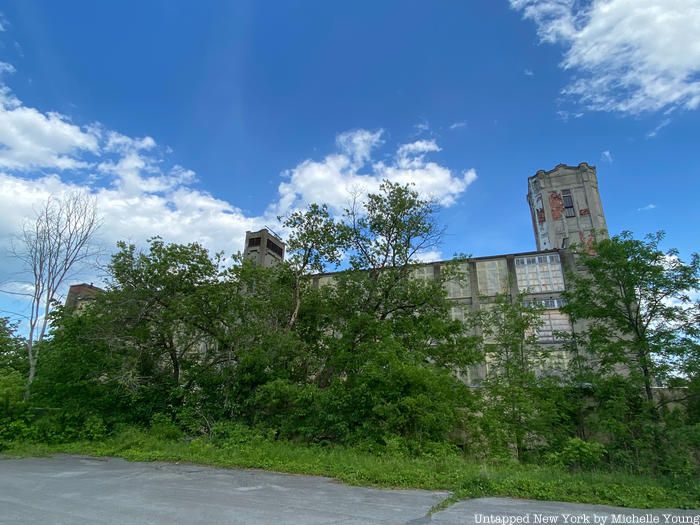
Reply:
x=465, y=479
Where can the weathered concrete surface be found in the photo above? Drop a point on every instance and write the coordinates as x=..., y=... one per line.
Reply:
x=555, y=513
x=78, y=490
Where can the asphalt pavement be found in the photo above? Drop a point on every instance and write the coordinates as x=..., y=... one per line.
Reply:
x=80, y=490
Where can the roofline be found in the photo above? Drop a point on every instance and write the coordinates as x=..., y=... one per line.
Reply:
x=467, y=259
x=90, y=285
x=560, y=166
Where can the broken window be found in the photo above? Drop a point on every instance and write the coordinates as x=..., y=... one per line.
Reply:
x=569, y=210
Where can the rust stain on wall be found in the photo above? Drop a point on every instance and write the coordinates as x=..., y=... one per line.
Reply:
x=556, y=204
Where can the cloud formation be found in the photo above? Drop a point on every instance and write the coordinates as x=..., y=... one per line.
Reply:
x=140, y=195
x=31, y=139
x=626, y=56
x=339, y=175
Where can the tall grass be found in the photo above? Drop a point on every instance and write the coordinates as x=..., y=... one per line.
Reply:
x=464, y=478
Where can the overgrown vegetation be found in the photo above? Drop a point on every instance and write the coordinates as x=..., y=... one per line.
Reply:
x=357, y=375
x=233, y=445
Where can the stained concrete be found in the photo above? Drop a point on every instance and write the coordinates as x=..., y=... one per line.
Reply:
x=79, y=490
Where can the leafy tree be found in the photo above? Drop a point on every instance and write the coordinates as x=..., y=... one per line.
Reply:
x=635, y=300
x=315, y=241
x=517, y=412
x=13, y=366
x=639, y=329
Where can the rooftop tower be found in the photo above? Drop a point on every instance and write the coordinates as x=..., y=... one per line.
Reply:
x=565, y=207
x=264, y=247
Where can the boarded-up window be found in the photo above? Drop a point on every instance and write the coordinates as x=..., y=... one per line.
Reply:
x=459, y=287
x=540, y=273
x=423, y=273
x=492, y=276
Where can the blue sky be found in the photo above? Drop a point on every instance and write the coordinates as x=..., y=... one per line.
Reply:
x=197, y=121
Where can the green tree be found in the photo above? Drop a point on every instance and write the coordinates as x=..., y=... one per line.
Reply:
x=518, y=414
x=638, y=328
x=13, y=367
x=635, y=300
x=315, y=241
x=382, y=330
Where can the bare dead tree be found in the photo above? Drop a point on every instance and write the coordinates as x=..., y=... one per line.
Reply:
x=52, y=245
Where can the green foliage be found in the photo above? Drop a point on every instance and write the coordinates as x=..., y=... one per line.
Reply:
x=518, y=413
x=639, y=329
x=230, y=363
x=162, y=427
x=238, y=446
x=636, y=300
x=578, y=454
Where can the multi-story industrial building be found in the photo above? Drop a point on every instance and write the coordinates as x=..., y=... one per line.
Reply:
x=566, y=210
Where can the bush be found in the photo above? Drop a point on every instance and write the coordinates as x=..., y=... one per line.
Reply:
x=94, y=428
x=577, y=454
x=162, y=427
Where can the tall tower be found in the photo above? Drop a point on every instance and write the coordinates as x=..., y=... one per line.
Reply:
x=565, y=207
x=264, y=247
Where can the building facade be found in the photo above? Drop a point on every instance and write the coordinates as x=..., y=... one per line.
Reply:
x=565, y=207
x=264, y=248
x=81, y=294
x=566, y=210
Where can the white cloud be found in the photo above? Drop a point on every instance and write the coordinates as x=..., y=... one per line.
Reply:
x=628, y=56
x=529, y=73
x=648, y=207
x=607, y=156
x=338, y=176
x=457, y=125
x=358, y=144
x=6, y=68
x=665, y=122
x=422, y=128
x=566, y=115
x=430, y=256
x=140, y=195
x=30, y=139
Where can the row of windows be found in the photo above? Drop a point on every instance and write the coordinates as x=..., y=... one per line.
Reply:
x=549, y=304
x=275, y=248
x=553, y=323
x=536, y=274
x=539, y=274
x=539, y=259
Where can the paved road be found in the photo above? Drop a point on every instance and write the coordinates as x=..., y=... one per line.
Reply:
x=77, y=490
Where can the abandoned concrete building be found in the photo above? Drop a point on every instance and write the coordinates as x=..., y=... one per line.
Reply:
x=566, y=209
